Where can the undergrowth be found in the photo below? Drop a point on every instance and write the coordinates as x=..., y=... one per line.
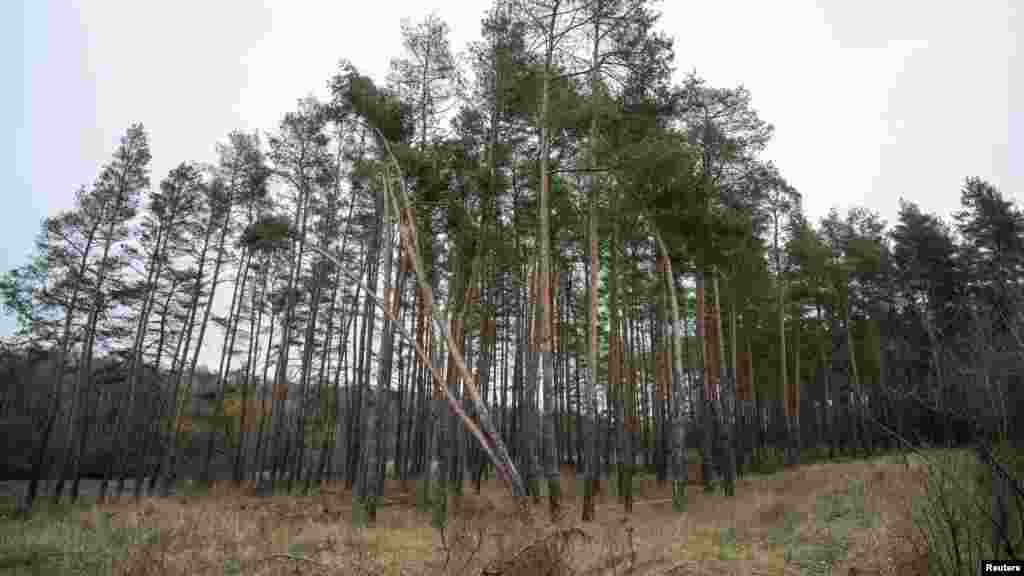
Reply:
x=836, y=517
x=65, y=539
x=955, y=521
x=813, y=519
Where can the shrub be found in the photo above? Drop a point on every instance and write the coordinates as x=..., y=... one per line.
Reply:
x=955, y=520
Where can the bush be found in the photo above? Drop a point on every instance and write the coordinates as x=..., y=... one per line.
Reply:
x=838, y=515
x=955, y=519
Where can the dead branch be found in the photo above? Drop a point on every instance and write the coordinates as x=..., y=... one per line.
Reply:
x=550, y=550
x=294, y=558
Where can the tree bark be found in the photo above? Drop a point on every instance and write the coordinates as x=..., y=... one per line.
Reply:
x=678, y=424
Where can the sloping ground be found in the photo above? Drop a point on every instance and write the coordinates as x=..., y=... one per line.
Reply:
x=841, y=518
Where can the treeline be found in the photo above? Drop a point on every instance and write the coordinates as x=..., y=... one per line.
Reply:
x=550, y=254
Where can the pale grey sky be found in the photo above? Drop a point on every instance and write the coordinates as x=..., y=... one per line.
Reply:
x=871, y=100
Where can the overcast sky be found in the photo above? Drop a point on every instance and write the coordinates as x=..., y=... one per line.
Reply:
x=871, y=100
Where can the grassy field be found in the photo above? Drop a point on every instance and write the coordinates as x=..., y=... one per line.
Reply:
x=831, y=518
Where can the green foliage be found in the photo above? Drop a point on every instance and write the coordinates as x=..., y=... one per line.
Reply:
x=423, y=496
x=785, y=534
x=357, y=94
x=845, y=509
x=837, y=516
x=268, y=234
x=58, y=540
x=320, y=425
x=232, y=567
x=767, y=460
x=817, y=558
x=727, y=544
x=189, y=487
x=20, y=291
x=679, y=501
x=360, y=516
x=953, y=517
x=439, y=504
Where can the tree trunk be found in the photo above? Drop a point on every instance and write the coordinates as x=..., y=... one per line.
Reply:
x=281, y=383
x=255, y=324
x=58, y=381
x=88, y=351
x=260, y=462
x=386, y=357
x=592, y=464
x=154, y=268
x=708, y=416
x=224, y=369
x=172, y=452
x=616, y=381
x=366, y=453
x=726, y=400
x=677, y=395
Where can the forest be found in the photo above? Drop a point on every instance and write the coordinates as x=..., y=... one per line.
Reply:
x=547, y=257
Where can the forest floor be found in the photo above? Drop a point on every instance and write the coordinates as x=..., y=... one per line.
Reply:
x=848, y=517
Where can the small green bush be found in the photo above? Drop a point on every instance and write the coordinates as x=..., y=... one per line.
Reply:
x=727, y=544
x=784, y=534
x=954, y=517
x=839, y=514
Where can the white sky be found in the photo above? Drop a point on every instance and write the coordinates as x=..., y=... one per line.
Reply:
x=871, y=100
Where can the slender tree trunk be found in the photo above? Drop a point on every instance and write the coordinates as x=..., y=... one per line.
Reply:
x=726, y=402
x=58, y=382
x=317, y=470
x=171, y=452
x=592, y=464
x=170, y=420
x=89, y=350
x=551, y=471
x=857, y=406
x=797, y=390
x=485, y=366
x=255, y=321
x=617, y=382
x=227, y=349
x=529, y=420
x=265, y=385
x=662, y=333
x=579, y=411
x=676, y=393
x=707, y=384
x=371, y=400
x=387, y=352
x=349, y=314
x=281, y=382
x=154, y=268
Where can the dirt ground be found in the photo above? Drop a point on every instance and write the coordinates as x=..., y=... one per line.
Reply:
x=838, y=518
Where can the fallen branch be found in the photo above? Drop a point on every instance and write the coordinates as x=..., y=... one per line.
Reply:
x=294, y=558
x=550, y=548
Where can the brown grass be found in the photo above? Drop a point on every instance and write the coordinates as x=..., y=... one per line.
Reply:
x=232, y=531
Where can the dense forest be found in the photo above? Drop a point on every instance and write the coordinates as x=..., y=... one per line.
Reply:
x=549, y=255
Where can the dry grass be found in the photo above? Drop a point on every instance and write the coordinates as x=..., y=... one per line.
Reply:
x=775, y=525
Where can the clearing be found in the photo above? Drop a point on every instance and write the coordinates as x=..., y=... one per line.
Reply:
x=840, y=518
